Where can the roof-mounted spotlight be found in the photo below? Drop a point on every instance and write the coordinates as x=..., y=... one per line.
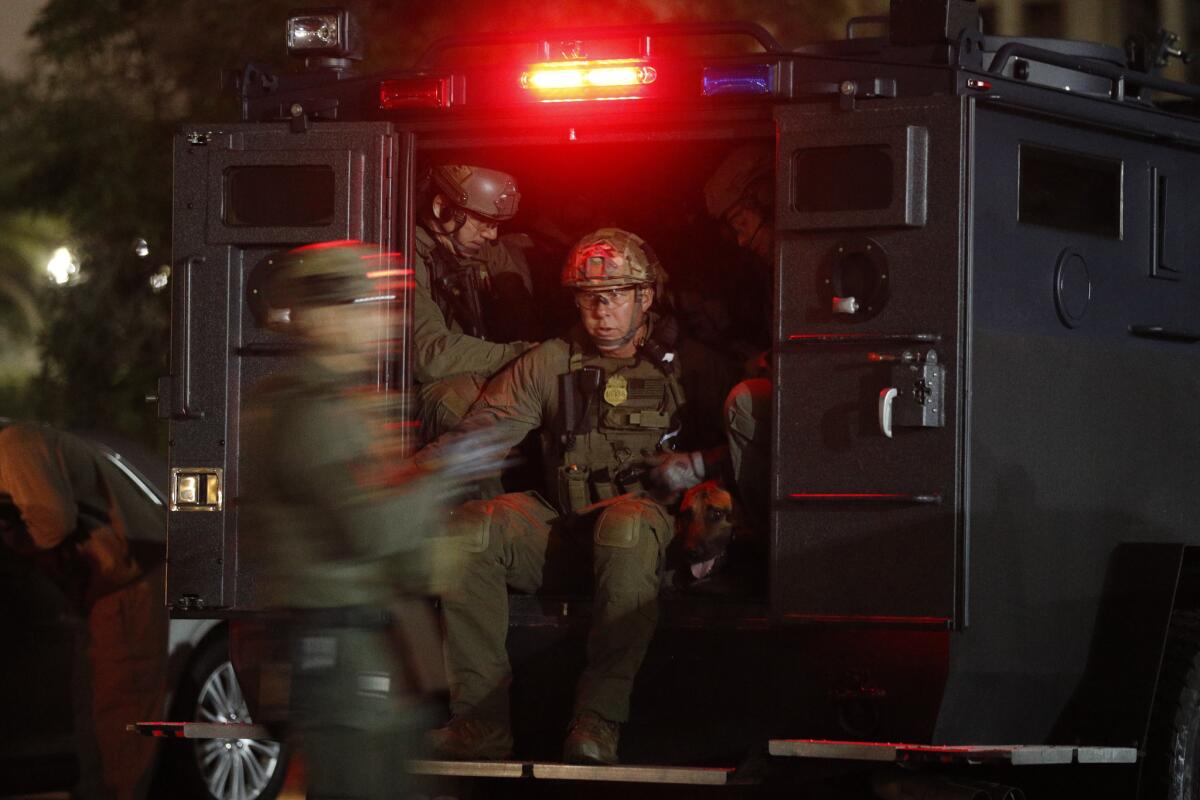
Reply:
x=326, y=38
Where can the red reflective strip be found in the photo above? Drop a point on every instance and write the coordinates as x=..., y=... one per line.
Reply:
x=799, y=337
x=880, y=619
x=847, y=495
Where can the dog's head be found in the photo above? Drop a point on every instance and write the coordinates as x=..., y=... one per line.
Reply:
x=705, y=525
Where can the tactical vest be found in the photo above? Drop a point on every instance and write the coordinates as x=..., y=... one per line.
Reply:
x=623, y=410
x=457, y=288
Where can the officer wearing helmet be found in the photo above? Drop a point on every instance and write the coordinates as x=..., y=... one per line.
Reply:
x=339, y=533
x=473, y=302
x=740, y=194
x=726, y=303
x=606, y=399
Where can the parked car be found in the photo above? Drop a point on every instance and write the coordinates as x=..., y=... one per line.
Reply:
x=41, y=633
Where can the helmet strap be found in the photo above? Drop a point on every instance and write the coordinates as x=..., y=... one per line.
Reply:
x=446, y=228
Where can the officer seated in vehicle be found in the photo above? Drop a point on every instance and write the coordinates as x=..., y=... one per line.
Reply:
x=473, y=306
x=607, y=400
x=741, y=195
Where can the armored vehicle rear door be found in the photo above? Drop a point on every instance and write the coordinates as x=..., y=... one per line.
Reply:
x=866, y=522
x=244, y=192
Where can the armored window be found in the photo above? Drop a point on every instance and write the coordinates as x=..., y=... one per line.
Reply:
x=1070, y=191
x=831, y=179
x=290, y=196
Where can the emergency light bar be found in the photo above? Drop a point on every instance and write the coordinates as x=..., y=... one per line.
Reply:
x=587, y=80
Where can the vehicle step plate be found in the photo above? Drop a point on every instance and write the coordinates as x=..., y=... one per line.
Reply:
x=201, y=730
x=1016, y=754
x=469, y=769
x=706, y=776
x=620, y=773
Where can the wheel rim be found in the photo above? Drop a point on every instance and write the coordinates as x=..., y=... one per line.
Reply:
x=232, y=769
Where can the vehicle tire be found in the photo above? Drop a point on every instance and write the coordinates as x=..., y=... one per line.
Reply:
x=1172, y=769
x=221, y=769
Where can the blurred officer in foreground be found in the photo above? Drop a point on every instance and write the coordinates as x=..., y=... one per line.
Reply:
x=473, y=305
x=68, y=507
x=741, y=194
x=341, y=534
x=606, y=400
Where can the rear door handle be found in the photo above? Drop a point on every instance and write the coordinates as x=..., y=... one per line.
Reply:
x=886, y=398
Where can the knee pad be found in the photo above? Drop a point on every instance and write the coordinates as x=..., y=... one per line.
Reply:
x=748, y=405
x=619, y=526
x=470, y=526
x=633, y=524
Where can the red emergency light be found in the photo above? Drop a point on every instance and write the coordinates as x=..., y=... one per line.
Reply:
x=421, y=92
x=610, y=79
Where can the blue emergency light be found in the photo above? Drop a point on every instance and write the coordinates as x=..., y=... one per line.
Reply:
x=752, y=79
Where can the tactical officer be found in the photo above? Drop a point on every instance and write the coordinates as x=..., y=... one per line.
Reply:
x=335, y=531
x=605, y=399
x=68, y=509
x=727, y=304
x=473, y=307
x=741, y=194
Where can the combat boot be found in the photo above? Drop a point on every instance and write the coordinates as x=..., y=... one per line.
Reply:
x=591, y=740
x=472, y=739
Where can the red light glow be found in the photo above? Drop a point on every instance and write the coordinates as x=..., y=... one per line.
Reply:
x=326, y=245
x=388, y=273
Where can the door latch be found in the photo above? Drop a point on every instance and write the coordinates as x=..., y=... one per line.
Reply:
x=916, y=398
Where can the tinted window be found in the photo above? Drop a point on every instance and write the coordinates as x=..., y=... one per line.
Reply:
x=279, y=196
x=1070, y=191
x=842, y=178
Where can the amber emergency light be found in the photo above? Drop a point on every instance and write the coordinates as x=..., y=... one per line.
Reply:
x=615, y=79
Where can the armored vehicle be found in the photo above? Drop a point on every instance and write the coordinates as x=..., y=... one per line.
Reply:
x=984, y=346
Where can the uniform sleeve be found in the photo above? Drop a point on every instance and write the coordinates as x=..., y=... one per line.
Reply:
x=35, y=479
x=519, y=399
x=330, y=472
x=441, y=352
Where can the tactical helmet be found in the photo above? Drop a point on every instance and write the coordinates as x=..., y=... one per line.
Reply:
x=490, y=193
x=610, y=257
x=733, y=178
x=326, y=273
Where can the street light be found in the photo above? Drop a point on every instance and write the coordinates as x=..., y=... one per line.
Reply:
x=62, y=266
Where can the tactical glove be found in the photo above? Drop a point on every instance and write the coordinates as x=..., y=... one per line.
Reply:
x=676, y=472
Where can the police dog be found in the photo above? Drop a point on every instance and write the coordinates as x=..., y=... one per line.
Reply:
x=705, y=529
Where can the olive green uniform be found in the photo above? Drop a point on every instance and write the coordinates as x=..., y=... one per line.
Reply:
x=451, y=364
x=332, y=542
x=511, y=540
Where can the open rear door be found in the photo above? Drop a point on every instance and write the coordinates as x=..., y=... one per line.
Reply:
x=866, y=523
x=244, y=192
